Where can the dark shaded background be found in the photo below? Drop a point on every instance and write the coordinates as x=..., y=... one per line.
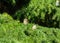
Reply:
x=6, y=6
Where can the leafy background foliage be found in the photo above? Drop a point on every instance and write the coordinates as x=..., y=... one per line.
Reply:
x=16, y=32
x=42, y=13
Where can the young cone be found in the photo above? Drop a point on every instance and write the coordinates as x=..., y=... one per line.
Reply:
x=34, y=27
x=25, y=21
x=57, y=3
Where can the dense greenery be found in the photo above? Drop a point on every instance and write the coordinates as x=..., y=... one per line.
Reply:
x=41, y=11
x=4, y=18
x=43, y=14
x=13, y=31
